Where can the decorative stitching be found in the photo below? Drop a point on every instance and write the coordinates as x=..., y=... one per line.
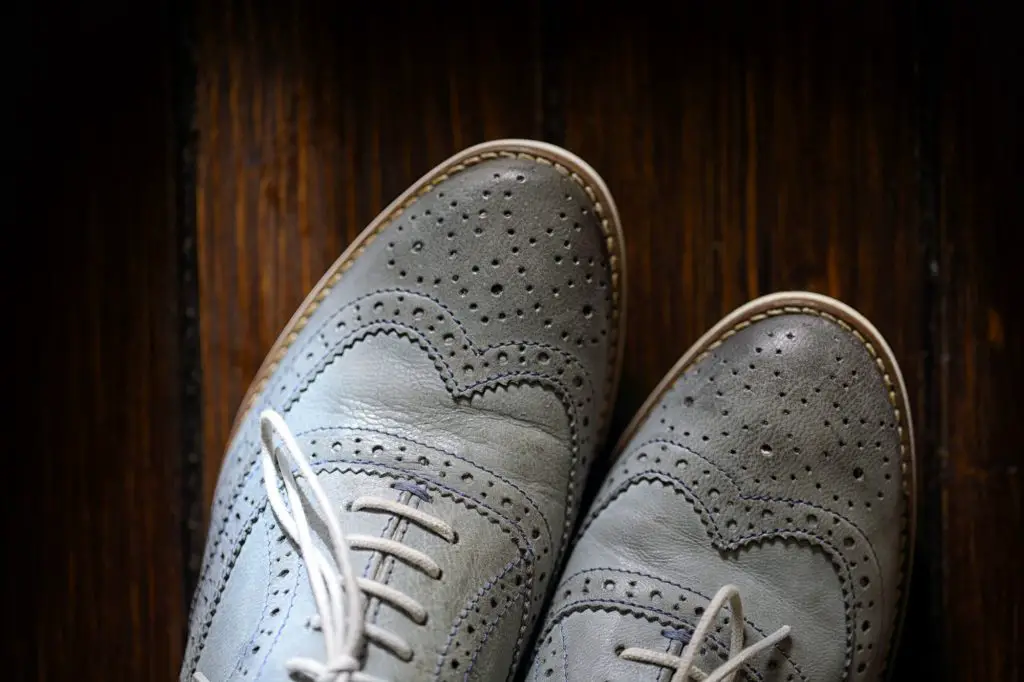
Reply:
x=313, y=334
x=415, y=337
x=611, y=244
x=299, y=570
x=565, y=653
x=317, y=333
x=902, y=433
x=391, y=472
x=845, y=575
x=290, y=335
x=649, y=576
x=440, y=451
x=489, y=629
x=464, y=613
x=399, y=329
x=247, y=650
x=591, y=516
x=339, y=268
x=561, y=391
x=455, y=496
x=614, y=605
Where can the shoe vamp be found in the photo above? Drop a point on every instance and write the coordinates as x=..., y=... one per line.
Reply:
x=389, y=386
x=647, y=563
x=495, y=466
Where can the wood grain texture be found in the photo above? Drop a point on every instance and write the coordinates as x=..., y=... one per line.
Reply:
x=310, y=124
x=95, y=491
x=981, y=437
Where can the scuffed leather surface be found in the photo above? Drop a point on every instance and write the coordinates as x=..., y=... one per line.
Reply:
x=469, y=349
x=773, y=463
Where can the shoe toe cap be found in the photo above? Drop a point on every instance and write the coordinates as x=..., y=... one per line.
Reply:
x=516, y=247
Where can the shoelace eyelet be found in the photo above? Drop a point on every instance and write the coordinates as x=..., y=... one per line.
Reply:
x=340, y=594
x=684, y=664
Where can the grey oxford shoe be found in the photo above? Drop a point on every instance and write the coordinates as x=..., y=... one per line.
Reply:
x=758, y=517
x=407, y=466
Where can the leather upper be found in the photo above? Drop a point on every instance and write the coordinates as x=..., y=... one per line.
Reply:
x=469, y=350
x=774, y=463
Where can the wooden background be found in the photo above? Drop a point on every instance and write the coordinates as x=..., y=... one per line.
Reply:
x=184, y=173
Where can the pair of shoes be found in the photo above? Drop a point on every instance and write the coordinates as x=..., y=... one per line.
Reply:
x=400, y=496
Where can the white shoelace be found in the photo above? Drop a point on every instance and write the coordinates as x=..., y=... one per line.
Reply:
x=337, y=590
x=684, y=664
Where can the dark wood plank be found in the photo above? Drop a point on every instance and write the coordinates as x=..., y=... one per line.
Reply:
x=981, y=364
x=309, y=124
x=751, y=150
x=96, y=492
